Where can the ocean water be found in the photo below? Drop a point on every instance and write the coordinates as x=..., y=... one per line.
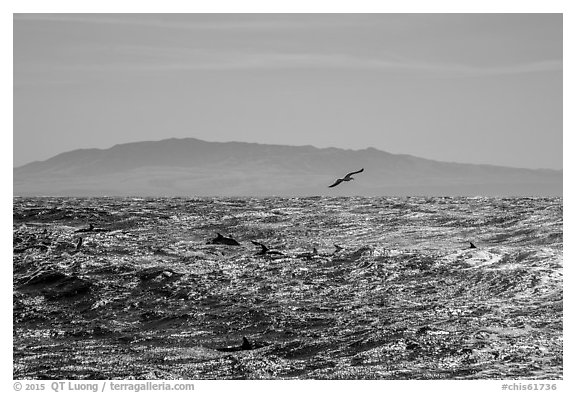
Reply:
x=145, y=296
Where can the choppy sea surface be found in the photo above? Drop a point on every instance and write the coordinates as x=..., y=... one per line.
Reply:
x=145, y=296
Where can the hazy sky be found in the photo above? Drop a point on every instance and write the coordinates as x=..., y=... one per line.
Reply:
x=478, y=88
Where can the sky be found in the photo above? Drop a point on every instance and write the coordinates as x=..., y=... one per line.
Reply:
x=473, y=88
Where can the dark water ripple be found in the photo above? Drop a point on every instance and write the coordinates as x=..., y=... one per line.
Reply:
x=145, y=297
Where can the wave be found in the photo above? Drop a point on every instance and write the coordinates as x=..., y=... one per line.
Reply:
x=403, y=296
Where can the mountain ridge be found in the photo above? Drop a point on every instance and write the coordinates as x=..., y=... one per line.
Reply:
x=190, y=166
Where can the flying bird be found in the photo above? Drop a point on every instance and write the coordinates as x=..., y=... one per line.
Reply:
x=348, y=177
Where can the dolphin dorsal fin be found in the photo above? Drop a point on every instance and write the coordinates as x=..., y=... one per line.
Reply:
x=246, y=344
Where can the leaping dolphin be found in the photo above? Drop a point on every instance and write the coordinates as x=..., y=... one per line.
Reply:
x=223, y=240
x=89, y=229
x=246, y=346
x=309, y=255
x=265, y=250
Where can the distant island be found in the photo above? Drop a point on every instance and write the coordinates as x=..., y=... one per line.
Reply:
x=192, y=167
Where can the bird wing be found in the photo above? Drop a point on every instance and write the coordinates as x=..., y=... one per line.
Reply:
x=336, y=183
x=353, y=173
